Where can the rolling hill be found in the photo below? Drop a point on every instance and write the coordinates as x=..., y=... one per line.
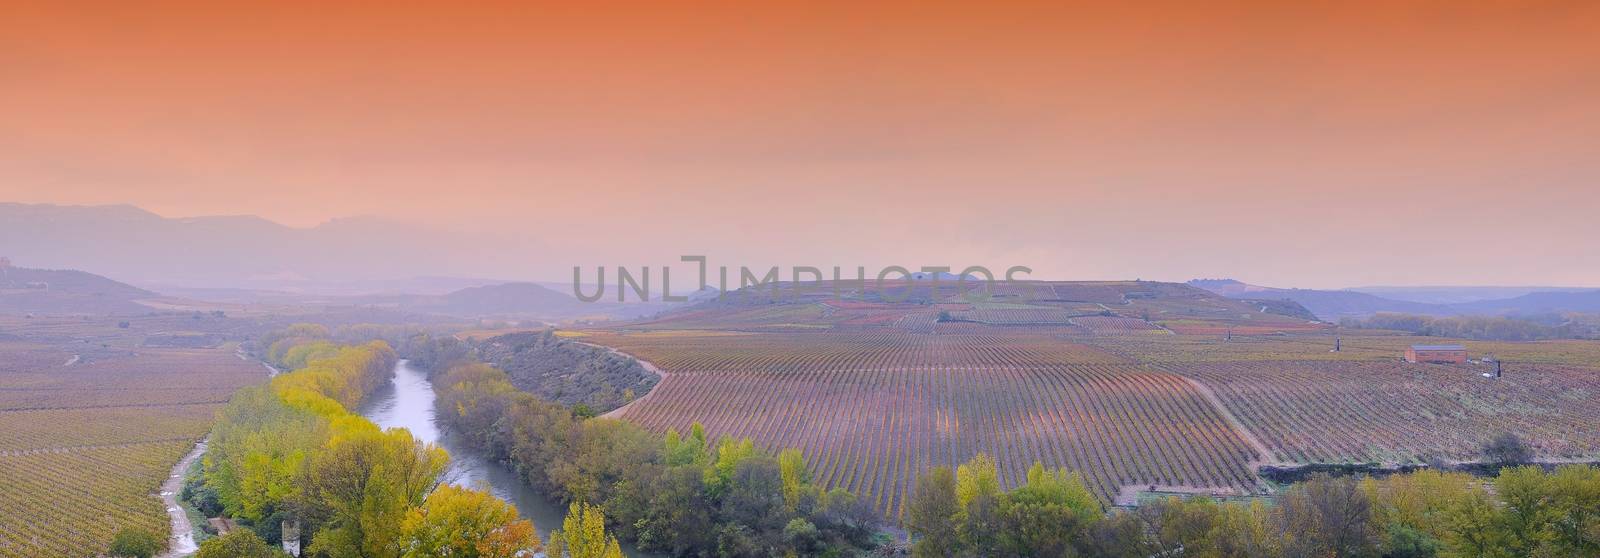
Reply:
x=64, y=291
x=1332, y=305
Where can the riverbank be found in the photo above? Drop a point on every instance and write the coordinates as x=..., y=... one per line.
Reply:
x=408, y=402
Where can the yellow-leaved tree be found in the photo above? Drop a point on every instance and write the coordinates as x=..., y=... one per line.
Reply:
x=583, y=535
x=466, y=523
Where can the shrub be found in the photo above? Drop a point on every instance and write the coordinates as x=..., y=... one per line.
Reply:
x=240, y=543
x=1507, y=449
x=135, y=543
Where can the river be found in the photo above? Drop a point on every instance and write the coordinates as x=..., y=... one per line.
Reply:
x=408, y=403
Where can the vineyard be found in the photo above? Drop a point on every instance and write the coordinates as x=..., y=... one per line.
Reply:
x=1397, y=412
x=1156, y=386
x=86, y=441
x=872, y=430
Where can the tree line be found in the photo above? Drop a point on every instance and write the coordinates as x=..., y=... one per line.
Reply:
x=1488, y=328
x=683, y=494
x=1525, y=511
x=292, y=453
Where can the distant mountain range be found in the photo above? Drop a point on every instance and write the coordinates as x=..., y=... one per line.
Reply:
x=1331, y=305
x=236, y=252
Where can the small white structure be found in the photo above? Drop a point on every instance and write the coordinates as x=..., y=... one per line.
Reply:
x=291, y=537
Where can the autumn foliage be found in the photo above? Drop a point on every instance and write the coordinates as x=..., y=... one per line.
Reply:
x=293, y=451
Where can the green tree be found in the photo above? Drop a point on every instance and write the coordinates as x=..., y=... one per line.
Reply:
x=1575, y=509
x=1045, y=515
x=978, y=498
x=238, y=543
x=977, y=477
x=1475, y=528
x=1528, y=515
x=133, y=542
x=932, y=515
x=1401, y=541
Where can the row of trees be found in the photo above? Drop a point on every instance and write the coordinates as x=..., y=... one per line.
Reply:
x=679, y=494
x=1525, y=511
x=1491, y=328
x=291, y=451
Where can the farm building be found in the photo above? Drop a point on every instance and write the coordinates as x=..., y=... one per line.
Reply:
x=1440, y=354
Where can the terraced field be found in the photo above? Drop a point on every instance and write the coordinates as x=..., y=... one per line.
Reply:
x=85, y=442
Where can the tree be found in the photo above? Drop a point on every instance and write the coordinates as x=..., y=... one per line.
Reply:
x=932, y=514
x=364, y=481
x=1528, y=515
x=1474, y=527
x=977, y=477
x=754, y=500
x=583, y=535
x=1045, y=515
x=1575, y=508
x=678, y=516
x=792, y=467
x=1507, y=449
x=1331, y=516
x=978, y=501
x=238, y=543
x=1401, y=541
x=133, y=542
x=467, y=523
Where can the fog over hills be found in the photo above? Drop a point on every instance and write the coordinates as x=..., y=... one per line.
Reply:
x=25, y=291
x=1332, y=305
x=140, y=247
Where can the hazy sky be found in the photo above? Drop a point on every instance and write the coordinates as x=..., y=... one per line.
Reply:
x=1384, y=142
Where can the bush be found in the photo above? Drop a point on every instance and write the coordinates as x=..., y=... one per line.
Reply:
x=240, y=543
x=1507, y=449
x=135, y=543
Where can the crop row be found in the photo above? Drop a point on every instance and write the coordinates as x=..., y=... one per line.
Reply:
x=71, y=503
x=84, y=447
x=775, y=352
x=873, y=431
x=1394, y=411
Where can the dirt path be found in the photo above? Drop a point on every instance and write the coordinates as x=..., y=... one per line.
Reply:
x=181, y=543
x=662, y=376
x=1267, y=456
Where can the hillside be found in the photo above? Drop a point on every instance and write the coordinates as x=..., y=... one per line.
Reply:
x=517, y=301
x=65, y=291
x=1328, y=305
x=567, y=372
x=507, y=299
x=1332, y=305
x=1457, y=294
x=1085, y=306
x=1536, y=303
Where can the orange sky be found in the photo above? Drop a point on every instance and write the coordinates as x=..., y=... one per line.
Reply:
x=1301, y=146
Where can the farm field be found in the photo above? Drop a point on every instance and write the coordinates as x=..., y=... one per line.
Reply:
x=88, y=431
x=1397, y=412
x=871, y=430
x=1149, y=391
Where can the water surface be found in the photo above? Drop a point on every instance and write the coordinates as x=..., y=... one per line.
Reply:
x=408, y=403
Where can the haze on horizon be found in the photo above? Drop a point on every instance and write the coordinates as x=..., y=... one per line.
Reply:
x=1330, y=146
